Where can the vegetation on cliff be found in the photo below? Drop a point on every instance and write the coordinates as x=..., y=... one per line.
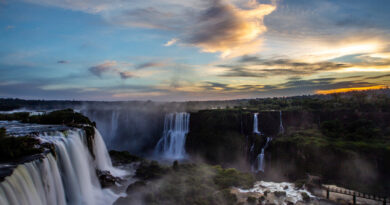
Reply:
x=15, y=148
x=348, y=160
x=363, y=100
x=186, y=184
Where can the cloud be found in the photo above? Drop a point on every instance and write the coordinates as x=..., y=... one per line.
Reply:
x=126, y=74
x=226, y=28
x=377, y=77
x=9, y=27
x=62, y=62
x=232, y=28
x=151, y=64
x=171, y=42
x=98, y=70
x=253, y=66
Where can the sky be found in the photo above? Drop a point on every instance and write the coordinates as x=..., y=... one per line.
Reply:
x=175, y=50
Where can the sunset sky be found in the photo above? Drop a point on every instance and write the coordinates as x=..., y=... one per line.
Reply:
x=176, y=50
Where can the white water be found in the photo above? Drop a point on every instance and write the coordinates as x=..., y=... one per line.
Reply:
x=69, y=178
x=255, y=124
x=102, y=158
x=281, y=128
x=26, y=186
x=259, y=164
x=292, y=194
x=172, y=143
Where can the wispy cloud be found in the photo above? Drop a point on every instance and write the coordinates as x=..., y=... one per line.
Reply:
x=126, y=74
x=151, y=64
x=62, y=62
x=98, y=70
x=253, y=66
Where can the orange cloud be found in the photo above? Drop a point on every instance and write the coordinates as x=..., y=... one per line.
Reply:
x=344, y=90
x=229, y=29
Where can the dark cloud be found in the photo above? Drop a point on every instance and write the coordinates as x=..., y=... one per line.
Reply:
x=290, y=88
x=274, y=67
x=150, y=64
x=98, y=70
x=212, y=86
x=377, y=77
x=62, y=62
x=126, y=74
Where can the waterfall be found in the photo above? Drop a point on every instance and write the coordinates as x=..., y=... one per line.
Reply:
x=69, y=178
x=172, y=143
x=26, y=186
x=102, y=158
x=281, y=128
x=260, y=158
x=114, y=123
x=255, y=124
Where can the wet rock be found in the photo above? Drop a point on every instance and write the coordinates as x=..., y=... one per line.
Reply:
x=305, y=197
x=289, y=203
x=280, y=193
x=106, y=179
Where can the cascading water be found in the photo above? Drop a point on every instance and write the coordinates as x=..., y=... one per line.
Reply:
x=255, y=124
x=67, y=179
x=172, y=143
x=259, y=164
x=281, y=128
x=102, y=158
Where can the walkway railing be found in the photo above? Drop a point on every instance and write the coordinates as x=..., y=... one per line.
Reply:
x=355, y=194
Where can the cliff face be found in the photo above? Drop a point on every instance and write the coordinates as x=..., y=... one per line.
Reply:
x=222, y=136
x=345, y=147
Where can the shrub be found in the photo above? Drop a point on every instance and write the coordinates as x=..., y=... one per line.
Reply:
x=226, y=178
x=14, y=148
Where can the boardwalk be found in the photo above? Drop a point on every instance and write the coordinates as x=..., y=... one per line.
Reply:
x=355, y=197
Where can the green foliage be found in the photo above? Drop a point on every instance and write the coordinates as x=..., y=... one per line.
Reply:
x=188, y=184
x=67, y=116
x=14, y=148
x=20, y=116
x=358, y=129
x=332, y=128
x=363, y=100
x=226, y=178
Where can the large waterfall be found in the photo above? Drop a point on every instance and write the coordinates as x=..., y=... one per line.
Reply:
x=255, y=124
x=172, y=143
x=259, y=164
x=67, y=178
